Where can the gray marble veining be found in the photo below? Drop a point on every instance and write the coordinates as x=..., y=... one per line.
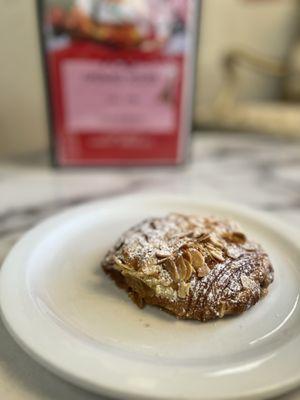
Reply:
x=259, y=171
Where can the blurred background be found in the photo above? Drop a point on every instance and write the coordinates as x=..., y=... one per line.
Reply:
x=245, y=131
x=248, y=71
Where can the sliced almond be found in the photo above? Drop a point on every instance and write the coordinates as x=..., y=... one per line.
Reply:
x=236, y=237
x=162, y=260
x=239, y=237
x=203, y=237
x=233, y=252
x=197, y=259
x=170, y=266
x=162, y=254
x=203, y=271
x=187, y=256
x=249, y=246
x=216, y=242
x=184, y=246
x=217, y=255
x=181, y=267
x=189, y=270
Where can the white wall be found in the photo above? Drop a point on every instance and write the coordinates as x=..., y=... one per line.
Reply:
x=267, y=26
x=22, y=111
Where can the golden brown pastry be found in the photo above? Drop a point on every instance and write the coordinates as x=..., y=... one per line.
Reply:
x=193, y=267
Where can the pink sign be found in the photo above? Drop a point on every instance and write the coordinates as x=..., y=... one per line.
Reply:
x=119, y=97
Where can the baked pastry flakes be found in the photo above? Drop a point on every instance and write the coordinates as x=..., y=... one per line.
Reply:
x=193, y=267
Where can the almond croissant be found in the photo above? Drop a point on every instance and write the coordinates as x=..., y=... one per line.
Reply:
x=193, y=267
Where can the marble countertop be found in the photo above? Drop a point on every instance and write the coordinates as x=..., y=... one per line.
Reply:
x=259, y=171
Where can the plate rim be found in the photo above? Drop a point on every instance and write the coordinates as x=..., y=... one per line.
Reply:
x=268, y=220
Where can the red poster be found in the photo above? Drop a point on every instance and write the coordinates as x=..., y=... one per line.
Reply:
x=120, y=77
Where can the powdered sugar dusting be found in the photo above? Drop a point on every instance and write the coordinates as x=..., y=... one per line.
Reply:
x=204, y=266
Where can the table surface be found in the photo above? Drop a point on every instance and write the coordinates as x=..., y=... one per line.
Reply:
x=259, y=171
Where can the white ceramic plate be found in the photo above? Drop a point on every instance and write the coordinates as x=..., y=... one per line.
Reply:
x=71, y=318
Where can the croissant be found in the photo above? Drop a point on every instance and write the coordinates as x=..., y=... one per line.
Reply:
x=192, y=267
